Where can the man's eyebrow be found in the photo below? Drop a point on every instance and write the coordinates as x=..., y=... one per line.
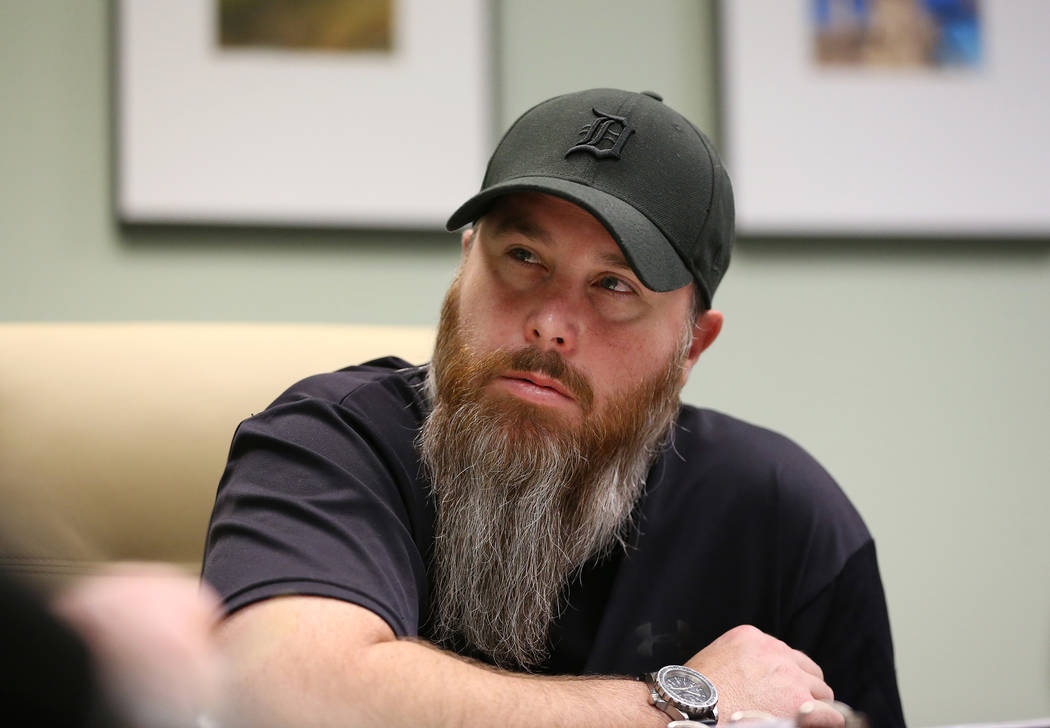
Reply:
x=616, y=260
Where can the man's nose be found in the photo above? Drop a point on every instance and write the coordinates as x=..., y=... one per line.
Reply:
x=553, y=325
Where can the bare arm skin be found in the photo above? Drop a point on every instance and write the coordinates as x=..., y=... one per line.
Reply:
x=306, y=661
x=309, y=661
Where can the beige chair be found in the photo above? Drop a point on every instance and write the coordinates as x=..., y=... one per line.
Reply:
x=113, y=436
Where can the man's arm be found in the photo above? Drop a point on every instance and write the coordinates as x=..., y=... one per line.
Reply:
x=297, y=661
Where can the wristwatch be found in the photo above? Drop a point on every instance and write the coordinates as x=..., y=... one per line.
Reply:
x=683, y=693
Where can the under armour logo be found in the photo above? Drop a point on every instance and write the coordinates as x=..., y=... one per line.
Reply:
x=604, y=137
x=648, y=640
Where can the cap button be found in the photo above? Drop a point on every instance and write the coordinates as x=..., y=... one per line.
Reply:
x=653, y=95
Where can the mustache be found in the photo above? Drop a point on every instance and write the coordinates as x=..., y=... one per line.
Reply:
x=549, y=363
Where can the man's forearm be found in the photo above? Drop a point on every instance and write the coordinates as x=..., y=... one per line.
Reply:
x=426, y=686
x=299, y=668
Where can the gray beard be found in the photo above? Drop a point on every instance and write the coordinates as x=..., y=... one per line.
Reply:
x=521, y=504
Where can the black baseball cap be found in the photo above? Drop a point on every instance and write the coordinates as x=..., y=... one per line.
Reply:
x=639, y=167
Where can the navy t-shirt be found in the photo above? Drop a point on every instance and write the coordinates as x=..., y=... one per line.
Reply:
x=324, y=494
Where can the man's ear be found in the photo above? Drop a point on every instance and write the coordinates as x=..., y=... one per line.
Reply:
x=467, y=238
x=705, y=330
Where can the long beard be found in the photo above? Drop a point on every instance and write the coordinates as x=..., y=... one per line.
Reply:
x=523, y=497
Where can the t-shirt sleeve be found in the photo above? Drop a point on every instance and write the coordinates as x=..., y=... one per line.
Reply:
x=320, y=497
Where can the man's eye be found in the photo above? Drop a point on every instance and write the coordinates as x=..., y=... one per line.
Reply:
x=525, y=256
x=617, y=285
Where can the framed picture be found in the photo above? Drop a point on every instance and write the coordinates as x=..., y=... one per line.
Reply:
x=909, y=117
x=361, y=113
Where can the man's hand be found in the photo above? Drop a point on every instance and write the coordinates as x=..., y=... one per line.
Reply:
x=753, y=671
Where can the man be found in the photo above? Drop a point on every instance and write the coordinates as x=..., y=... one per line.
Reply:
x=493, y=538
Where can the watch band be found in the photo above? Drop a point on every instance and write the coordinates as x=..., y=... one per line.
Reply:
x=657, y=700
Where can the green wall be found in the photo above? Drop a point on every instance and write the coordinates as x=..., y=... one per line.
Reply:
x=916, y=371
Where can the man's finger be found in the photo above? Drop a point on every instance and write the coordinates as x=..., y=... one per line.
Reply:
x=807, y=664
x=820, y=690
x=743, y=716
x=818, y=714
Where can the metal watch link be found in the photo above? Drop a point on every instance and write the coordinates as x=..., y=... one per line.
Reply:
x=683, y=693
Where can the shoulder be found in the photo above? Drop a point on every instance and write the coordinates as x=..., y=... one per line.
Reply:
x=760, y=486
x=715, y=446
x=379, y=391
x=373, y=407
x=379, y=379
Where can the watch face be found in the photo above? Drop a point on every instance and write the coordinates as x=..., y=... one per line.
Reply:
x=687, y=687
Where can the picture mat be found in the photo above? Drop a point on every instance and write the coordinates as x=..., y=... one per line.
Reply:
x=814, y=149
x=263, y=136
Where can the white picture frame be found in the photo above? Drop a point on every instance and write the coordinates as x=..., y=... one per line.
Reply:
x=262, y=136
x=814, y=150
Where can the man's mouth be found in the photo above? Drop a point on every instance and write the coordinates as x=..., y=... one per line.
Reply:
x=535, y=385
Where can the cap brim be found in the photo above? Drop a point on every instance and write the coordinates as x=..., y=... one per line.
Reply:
x=647, y=251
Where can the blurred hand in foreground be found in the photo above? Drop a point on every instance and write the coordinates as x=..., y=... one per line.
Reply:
x=149, y=627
